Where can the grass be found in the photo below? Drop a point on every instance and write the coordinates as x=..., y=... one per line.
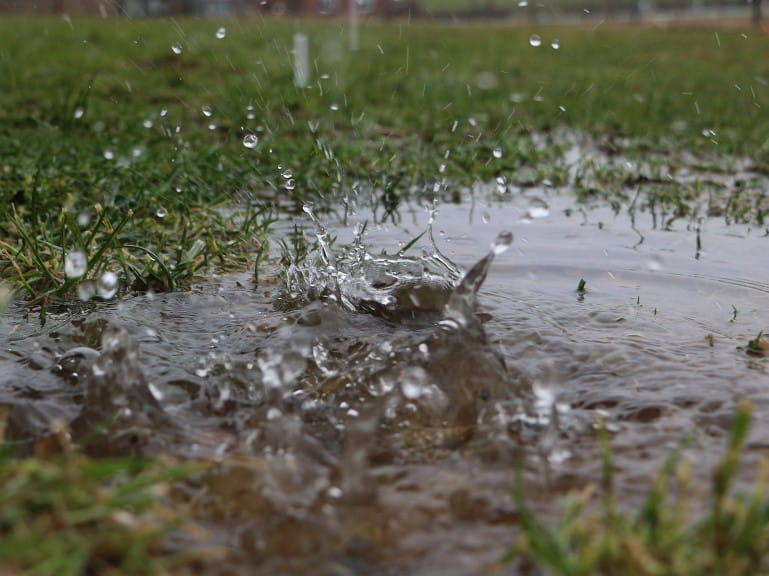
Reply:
x=102, y=129
x=667, y=534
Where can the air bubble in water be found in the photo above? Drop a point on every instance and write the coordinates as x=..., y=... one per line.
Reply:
x=161, y=213
x=290, y=184
x=497, y=152
x=79, y=112
x=207, y=112
x=176, y=48
x=250, y=141
x=212, y=126
x=413, y=381
x=107, y=285
x=221, y=33
x=535, y=40
x=75, y=264
x=502, y=242
x=501, y=184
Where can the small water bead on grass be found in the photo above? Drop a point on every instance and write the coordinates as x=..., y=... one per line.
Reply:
x=75, y=264
x=207, y=111
x=535, y=40
x=250, y=141
x=221, y=33
x=79, y=113
x=176, y=48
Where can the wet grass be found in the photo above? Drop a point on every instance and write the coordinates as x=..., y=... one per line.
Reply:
x=106, y=148
x=668, y=534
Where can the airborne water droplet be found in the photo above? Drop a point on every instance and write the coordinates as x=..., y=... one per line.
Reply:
x=147, y=123
x=107, y=285
x=555, y=44
x=538, y=208
x=75, y=264
x=250, y=141
x=221, y=33
x=176, y=48
x=535, y=40
x=502, y=242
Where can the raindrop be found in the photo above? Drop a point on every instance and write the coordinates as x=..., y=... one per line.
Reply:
x=538, y=208
x=535, y=40
x=86, y=290
x=137, y=151
x=555, y=44
x=147, y=123
x=290, y=184
x=75, y=264
x=163, y=112
x=79, y=112
x=287, y=174
x=250, y=141
x=107, y=285
x=212, y=126
x=207, y=112
x=109, y=154
x=176, y=48
x=161, y=213
x=83, y=219
x=221, y=33
x=334, y=107
x=502, y=242
x=497, y=152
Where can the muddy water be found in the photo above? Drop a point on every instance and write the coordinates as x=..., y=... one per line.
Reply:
x=363, y=435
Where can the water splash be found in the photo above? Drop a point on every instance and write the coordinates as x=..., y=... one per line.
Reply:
x=388, y=286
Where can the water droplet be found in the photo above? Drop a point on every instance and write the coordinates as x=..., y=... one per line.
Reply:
x=147, y=123
x=79, y=112
x=290, y=184
x=502, y=242
x=334, y=107
x=212, y=126
x=86, y=290
x=163, y=112
x=207, y=112
x=107, y=285
x=75, y=264
x=287, y=174
x=221, y=33
x=497, y=152
x=161, y=213
x=535, y=40
x=538, y=208
x=109, y=154
x=555, y=44
x=176, y=48
x=523, y=3
x=83, y=219
x=250, y=141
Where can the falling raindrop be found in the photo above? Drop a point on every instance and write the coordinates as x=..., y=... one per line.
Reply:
x=176, y=48
x=86, y=290
x=75, y=264
x=502, y=242
x=221, y=33
x=109, y=154
x=538, y=208
x=535, y=40
x=555, y=44
x=161, y=213
x=207, y=112
x=79, y=112
x=250, y=141
x=107, y=285
x=497, y=152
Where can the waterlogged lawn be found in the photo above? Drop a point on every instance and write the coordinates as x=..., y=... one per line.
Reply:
x=161, y=151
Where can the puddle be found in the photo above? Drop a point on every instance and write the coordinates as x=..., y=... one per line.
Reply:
x=361, y=428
